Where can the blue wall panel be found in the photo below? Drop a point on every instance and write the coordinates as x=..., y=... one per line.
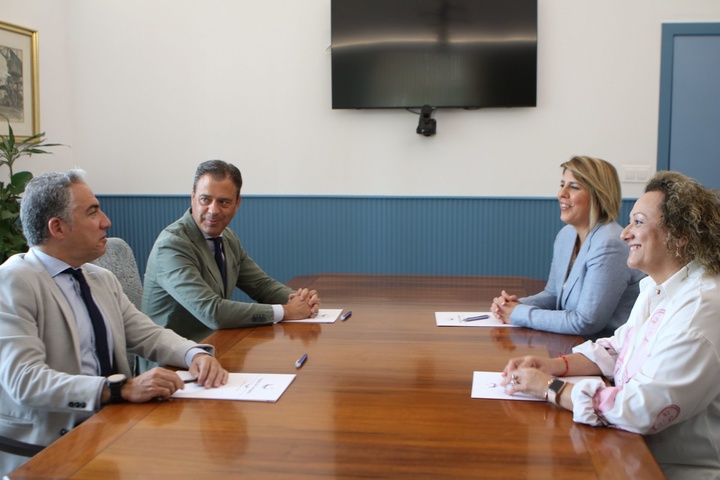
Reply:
x=298, y=235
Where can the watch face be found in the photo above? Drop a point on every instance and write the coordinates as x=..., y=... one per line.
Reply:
x=116, y=378
x=556, y=385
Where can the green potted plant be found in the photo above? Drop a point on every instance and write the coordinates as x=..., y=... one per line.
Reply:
x=12, y=240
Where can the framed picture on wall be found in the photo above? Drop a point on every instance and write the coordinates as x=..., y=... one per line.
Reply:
x=19, y=97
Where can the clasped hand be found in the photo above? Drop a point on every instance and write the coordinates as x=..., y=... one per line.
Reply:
x=527, y=375
x=503, y=306
x=302, y=304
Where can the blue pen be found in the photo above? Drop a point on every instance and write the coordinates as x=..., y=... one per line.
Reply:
x=346, y=316
x=479, y=317
x=301, y=361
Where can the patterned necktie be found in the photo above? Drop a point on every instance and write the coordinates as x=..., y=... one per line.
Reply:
x=220, y=259
x=98, y=324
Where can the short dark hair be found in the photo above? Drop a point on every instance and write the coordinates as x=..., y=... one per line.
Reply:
x=47, y=196
x=219, y=170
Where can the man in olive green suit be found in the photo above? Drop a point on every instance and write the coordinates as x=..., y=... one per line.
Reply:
x=197, y=261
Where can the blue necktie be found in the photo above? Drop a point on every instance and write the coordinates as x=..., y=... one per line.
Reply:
x=220, y=260
x=98, y=324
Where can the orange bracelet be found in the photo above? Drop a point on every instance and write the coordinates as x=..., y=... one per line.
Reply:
x=567, y=365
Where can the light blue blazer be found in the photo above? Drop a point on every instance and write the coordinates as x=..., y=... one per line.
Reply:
x=599, y=293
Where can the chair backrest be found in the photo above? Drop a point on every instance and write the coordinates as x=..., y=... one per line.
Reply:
x=120, y=260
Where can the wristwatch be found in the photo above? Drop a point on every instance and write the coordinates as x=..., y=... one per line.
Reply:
x=555, y=386
x=115, y=383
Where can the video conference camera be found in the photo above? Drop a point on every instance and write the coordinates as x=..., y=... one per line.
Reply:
x=427, y=125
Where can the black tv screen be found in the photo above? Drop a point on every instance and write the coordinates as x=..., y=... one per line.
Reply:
x=442, y=53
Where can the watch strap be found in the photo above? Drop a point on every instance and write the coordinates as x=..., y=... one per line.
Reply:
x=115, y=384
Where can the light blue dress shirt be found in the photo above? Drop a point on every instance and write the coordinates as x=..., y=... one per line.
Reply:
x=90, y=365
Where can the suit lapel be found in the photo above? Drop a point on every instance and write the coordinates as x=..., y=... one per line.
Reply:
x=574, y=274
x=565, y=255
x=67, y=315
x=230, y=264
x=198, y=239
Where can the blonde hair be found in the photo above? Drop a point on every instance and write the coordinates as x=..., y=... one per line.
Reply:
x=601, y=178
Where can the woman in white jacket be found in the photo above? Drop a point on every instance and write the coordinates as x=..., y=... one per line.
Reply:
x=664, y=363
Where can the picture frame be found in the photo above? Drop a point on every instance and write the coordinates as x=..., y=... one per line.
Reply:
x=19, y=95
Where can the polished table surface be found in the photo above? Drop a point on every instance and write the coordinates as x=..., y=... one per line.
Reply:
x=385, y=394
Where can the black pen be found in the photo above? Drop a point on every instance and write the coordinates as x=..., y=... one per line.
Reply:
x=346, y=316
x=479, y=317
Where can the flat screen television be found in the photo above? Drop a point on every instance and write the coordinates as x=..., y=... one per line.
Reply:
x=442, y=53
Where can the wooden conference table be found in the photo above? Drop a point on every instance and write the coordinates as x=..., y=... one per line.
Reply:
x=385, y=394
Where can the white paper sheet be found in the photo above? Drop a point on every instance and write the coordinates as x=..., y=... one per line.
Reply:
x=255, y=387
x=325, y=315
x=455, y=319
x=487, y=385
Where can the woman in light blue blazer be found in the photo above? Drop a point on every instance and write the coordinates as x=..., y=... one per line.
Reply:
x=590, y=290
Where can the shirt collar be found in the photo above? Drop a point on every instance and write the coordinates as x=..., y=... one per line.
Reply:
x=673, y=284
x=53, y=266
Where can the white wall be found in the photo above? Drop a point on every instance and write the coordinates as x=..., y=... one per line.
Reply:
x=145, y=90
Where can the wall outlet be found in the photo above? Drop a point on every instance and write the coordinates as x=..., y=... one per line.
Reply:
x=635, y=173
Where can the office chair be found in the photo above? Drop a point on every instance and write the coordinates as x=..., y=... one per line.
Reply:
x=120, y=260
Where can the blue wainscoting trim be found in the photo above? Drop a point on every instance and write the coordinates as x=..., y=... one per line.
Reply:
x=299, y=235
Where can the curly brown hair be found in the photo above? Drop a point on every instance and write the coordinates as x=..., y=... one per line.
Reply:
x=690, y=216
